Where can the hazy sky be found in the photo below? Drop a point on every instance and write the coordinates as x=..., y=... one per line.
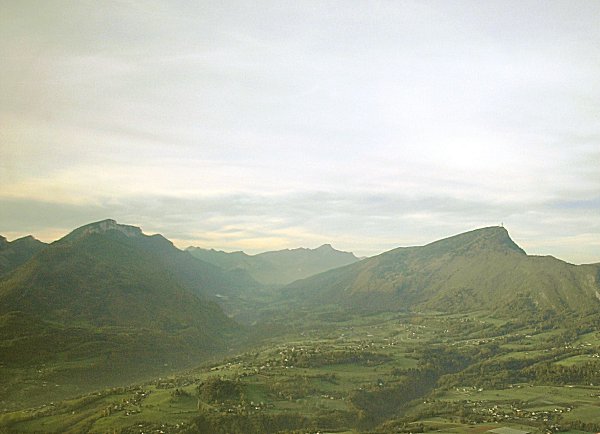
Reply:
x=266, y=125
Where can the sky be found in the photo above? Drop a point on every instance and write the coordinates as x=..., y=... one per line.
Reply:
x=246, y=125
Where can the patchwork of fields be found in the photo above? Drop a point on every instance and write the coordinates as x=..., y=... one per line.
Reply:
x=360, y=373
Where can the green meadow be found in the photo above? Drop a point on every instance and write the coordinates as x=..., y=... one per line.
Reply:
x=385, y=372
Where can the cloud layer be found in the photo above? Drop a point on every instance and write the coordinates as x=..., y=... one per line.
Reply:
x=368, y=125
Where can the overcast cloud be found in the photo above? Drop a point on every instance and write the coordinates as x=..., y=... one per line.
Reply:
x=262, y=125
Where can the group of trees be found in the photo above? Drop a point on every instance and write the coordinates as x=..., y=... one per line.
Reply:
x=216, y=390
x=378, y=403
x=383, y=401
x=549, y=373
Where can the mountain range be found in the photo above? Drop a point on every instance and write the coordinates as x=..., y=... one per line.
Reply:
x=108, y=303
x=277, y=267
x=115, y=302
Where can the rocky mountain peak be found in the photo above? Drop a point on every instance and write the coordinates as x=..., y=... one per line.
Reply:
x=104, y=226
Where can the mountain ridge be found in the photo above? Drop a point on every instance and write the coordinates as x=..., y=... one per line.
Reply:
x=94, y=261
x=479, y=269
x=277, y=267
x=203, y=278
x=15, y=253
x=115, y=306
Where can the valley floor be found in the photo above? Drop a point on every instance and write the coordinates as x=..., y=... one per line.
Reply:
x=378, y=373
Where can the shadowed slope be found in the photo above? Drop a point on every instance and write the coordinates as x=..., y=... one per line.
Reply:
x=203, y=278
x=17, y=252
x=103, y=305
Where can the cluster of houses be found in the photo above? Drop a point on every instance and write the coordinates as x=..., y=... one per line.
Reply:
x=513, y=413
x=129, y=406
x=172, y=383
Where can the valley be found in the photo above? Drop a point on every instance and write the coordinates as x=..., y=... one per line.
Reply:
x=299, y=217
x=385, y=372
x=111, y=330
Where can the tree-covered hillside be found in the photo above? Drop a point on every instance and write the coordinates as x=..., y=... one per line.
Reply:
x=100, y=299
x=17, y=252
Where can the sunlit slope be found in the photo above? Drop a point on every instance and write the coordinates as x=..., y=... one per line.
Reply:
x=483, y=268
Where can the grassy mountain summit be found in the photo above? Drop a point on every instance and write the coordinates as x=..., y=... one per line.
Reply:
x=493, y=238
x=278, y=267
x=480, y=269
